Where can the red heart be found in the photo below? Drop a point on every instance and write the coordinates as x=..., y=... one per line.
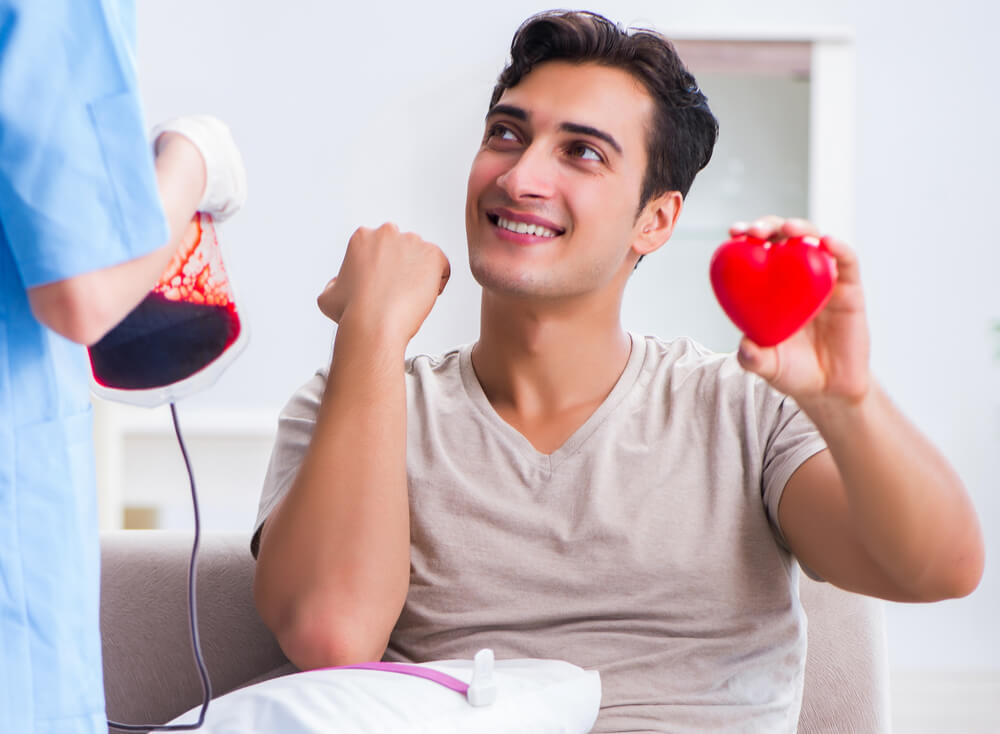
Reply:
x=771, y=289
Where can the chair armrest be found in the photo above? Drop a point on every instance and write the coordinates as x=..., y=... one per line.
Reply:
x=847, y=671
x=150, y=675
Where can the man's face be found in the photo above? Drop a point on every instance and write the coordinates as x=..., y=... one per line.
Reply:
x=554, y=190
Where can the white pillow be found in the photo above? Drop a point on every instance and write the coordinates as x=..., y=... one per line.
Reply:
x=533, y=697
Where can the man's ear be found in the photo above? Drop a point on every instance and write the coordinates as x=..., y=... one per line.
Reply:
x=656, y=222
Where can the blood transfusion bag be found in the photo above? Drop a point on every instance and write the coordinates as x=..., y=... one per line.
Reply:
x=183, y=334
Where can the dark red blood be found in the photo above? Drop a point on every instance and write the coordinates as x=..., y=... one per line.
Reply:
x=162, y=342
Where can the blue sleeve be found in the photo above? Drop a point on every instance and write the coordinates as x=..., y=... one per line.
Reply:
x=77, y=183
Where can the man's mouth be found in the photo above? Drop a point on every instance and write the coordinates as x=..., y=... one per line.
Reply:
x=519, y=226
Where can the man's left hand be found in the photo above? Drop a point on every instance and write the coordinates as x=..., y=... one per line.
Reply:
x=828, y=357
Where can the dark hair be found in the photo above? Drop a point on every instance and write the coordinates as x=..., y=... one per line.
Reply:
x=683, y=130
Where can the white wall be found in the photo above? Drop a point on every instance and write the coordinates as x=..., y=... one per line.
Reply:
x=927, y=198
x=363, y=113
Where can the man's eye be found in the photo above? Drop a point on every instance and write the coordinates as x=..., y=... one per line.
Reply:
x=500, y=132
x=585, y=152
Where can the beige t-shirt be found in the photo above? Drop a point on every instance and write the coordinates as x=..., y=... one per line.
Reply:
x=646, y=547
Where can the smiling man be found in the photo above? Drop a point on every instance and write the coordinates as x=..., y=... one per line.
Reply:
x=563, y=488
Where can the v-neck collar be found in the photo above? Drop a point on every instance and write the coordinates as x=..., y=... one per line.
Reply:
x=523, y=446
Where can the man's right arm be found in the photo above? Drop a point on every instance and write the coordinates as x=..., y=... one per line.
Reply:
x=333, y=564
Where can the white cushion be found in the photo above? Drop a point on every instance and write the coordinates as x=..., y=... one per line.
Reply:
x=533, y=697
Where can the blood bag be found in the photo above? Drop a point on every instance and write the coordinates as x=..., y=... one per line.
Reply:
x=182, y=335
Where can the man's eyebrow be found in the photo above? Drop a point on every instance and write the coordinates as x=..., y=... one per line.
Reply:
x=571, y=127
x=507, y=109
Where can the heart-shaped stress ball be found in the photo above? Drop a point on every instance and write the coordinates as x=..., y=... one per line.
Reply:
x=770, y=290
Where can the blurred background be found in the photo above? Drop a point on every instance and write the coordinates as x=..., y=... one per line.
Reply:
x=876, y=120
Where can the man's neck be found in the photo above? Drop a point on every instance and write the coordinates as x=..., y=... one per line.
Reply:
x=537, y=362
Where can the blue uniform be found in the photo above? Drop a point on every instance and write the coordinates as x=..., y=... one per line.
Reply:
x=77, y=193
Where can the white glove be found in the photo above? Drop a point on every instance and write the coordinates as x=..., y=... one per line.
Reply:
x=225, y=175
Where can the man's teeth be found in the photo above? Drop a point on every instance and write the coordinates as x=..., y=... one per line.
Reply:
x=525, y=228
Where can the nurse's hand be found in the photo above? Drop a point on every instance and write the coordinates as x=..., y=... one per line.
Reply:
x=225, y=175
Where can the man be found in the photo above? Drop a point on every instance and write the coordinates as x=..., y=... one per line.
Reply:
x=88, y=223
x=563, y=489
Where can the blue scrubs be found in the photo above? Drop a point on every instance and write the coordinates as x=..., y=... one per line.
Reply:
x=77, y=193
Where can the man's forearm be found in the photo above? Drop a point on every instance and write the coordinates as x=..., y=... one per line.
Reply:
x=333, y=569
x=907, y=505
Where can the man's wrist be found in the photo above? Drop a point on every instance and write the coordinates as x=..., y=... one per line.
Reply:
x=359, y=328
x=840, y=411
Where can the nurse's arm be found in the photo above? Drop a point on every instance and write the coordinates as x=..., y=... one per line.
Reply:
x=85, y=307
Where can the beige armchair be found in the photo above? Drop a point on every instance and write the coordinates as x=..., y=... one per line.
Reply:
x=150, y=676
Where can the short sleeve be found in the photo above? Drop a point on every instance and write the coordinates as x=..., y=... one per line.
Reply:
x=791, y=438
x=295, y=428
x=78, y=188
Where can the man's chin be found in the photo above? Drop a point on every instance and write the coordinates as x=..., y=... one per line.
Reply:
x=500, y=280
x=511, y=284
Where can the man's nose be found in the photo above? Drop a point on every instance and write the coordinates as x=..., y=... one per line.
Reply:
x=532, y=176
